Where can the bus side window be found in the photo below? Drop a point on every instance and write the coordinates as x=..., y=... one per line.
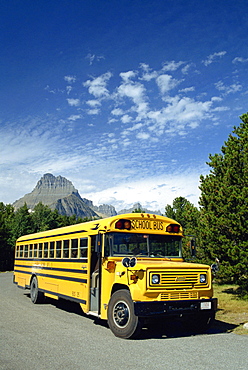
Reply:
x=35, y=250
x=74, y=248
x=17, y=251
x=45, y=250
x=58, y=248
x=26, y=251
x=66, y=248
x=83, y=247
x=40, y=249
x=31, y=250
x=21, y=250
x=51, y=252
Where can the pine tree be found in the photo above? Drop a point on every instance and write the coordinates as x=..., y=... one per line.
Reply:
x=22, y=223
x=6, y=245
x=224, y=207
x=188, y=216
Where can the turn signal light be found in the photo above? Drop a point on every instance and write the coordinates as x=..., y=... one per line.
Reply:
x=111, y=265
x=134, y=277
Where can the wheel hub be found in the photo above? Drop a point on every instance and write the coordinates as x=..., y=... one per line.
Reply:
x=121, y=314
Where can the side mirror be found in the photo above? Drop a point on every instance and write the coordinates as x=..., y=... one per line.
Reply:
x=214, y=268
x=129, y=262
x=193, y=247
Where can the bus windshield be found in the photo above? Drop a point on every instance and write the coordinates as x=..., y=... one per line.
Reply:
x=142, y=245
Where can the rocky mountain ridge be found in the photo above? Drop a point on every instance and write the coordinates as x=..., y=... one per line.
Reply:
x=59, y=193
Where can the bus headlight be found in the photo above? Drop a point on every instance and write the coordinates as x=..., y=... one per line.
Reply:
x=203, y=278
x=155, y=279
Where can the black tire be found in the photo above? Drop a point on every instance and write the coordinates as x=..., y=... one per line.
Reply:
x=35, y=295
x=121, y=318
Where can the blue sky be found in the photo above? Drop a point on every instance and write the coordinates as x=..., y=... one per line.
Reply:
x=126, y=99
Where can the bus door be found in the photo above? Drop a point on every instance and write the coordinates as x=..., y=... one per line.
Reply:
x=95, y=273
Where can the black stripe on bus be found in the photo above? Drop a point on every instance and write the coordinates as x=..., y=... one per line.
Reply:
x=64, y=296
x=54, y=269
x=77, y=280
x=39, y=259
x=52, y=236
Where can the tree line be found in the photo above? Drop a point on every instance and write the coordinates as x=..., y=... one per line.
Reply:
x=219, y=225
x=14, y=224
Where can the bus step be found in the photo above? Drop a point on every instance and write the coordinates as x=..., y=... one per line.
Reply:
x=93, y=313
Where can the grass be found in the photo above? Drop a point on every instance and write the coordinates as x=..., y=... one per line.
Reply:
x=232, y=311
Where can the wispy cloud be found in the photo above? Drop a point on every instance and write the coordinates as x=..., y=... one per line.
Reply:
x=94, y=58
x=74, y=117
x=228, y=89
x=70, y=79
x=240, y=60
x=211, y=58
x=171, y=66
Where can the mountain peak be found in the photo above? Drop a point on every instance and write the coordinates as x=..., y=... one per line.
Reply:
x=49, y=181
x=59, y=193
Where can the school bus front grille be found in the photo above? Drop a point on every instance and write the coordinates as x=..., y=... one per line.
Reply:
x=179, y=279
x=178, y=295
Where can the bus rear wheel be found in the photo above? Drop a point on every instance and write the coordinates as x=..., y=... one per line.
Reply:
x=121, y=318
x=35, y=295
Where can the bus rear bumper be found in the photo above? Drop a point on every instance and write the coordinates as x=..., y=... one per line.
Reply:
x=175, y=308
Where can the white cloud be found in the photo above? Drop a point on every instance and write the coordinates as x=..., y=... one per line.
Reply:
x=93, y=57
x=211, y=58
x=154, y=192
x=126, y=76
x=240, y=60
x=126, y=118
x=147, y=74
x=117, y=112
x=171, y=66
x=134, y=91
x=231, y=89
x=93, y=103
x=186, y=109
x=70, y=79
x=74, y=117
x=93, y=112
x=166, y=83
x=143, y=135
x=186, y=69
x=187, y=89
x=97, y=86
x=73, y=102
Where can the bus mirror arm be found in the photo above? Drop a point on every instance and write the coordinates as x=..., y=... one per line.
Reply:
x=192, y=245
x=98, y=242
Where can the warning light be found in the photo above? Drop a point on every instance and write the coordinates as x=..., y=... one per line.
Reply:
x=173, y=228
x=123, y=224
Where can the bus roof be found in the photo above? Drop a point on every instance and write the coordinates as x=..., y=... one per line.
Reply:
x=140, y=222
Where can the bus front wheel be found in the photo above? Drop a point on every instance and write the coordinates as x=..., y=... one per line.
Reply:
x=121, y=318
x=35, y=295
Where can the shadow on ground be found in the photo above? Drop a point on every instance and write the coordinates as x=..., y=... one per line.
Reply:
x=163, y=328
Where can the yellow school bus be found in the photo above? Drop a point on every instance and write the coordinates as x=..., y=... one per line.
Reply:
x=125, y=269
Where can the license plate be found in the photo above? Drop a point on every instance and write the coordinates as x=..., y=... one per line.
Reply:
x=205, y=306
